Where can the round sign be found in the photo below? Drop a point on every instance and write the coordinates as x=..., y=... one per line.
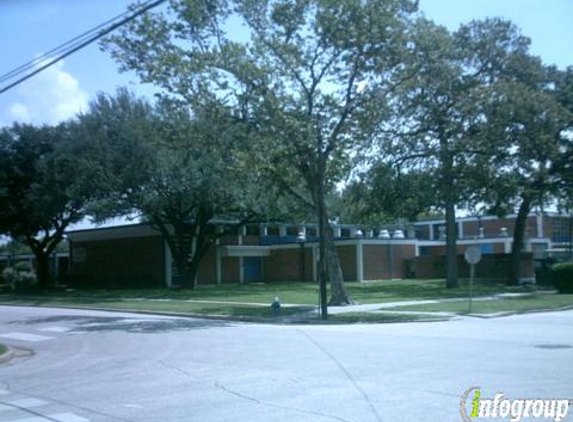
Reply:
x=473, y=255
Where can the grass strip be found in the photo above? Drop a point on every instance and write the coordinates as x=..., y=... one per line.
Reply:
x=525, y=304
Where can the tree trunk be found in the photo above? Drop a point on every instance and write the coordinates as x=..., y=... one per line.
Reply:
x=448, y=193
x=322, y=268
x=451, y=246
x=338, y=293
x=45, y=280
x=187, y=277
x=518, y=239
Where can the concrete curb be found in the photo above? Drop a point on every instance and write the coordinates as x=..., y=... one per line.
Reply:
x=510, y=313
x=237, y=319
x=287, y=320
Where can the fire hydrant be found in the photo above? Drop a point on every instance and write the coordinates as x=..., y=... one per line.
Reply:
x=276, y=307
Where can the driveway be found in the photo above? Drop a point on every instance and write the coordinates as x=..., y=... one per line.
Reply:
x=101, y=366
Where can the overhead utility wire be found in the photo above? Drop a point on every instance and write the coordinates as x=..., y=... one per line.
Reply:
x=58, y=49
x=84, y=44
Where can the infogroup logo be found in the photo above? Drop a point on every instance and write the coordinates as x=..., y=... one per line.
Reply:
x=473, y=406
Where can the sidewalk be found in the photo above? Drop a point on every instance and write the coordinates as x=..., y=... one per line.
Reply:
x=387, y=307
x=382, y=307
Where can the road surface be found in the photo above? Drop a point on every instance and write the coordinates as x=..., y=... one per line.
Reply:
x=100, y=366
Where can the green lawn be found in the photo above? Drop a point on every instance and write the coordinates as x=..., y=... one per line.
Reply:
x=402, y=290
x=538, y=302
x=252, y=300
x=295, y=293
x=3, y=349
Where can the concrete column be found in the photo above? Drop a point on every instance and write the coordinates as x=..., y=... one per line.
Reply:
x=359, y=262
x=56, y=266
x=539, y=221
x=168, y=263
x=314, y=265
x=241, y=272
x=218, y=260
x=282, y=231
x=242, y=232
x=460, y=229
x=507, y=247
x=337, y=232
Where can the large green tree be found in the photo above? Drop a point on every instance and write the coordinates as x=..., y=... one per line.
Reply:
x=311, y=78
x=42, y=189
x=531, y=121
x=178, y=169
x=440, y=113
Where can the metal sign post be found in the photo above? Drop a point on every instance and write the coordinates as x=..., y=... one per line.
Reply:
x=472, y=256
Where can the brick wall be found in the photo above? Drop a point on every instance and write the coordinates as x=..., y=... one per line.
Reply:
x=347, y=257
x=230, y=271
x=136, y=262
x=284, y=265
x=492, y=266
x=251, y=240
x=207, y=272
x=375, y=260
x=440, y=250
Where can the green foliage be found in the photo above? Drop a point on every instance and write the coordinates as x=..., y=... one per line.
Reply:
x=177, y=167
x=20, y=278
x=562, y=277
x=23, y=266
x=383, y=194
x=42, y=188
x=309, y=79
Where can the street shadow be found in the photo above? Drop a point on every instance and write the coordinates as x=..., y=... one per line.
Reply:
x=83, y=324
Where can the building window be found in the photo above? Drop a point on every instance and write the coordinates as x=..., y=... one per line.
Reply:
x=487, y=248
x=561, y=229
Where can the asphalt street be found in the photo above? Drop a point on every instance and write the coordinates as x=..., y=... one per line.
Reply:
x=78, y=366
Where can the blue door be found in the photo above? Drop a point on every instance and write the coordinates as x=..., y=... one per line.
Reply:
x=252, y=269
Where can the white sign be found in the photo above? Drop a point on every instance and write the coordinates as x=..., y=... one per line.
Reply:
x=473, y=255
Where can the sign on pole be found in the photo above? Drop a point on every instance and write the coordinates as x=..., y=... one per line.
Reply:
x=473, y=256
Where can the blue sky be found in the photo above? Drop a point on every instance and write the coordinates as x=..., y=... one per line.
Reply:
x=30, y=27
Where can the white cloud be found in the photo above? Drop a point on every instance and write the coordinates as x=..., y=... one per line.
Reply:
x=50, y=97
x=19, y=112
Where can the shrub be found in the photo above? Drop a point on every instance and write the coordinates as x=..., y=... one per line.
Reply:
x=27, y=280
x=10, y=276
x=23, y=266
x=562, y=277
x=19, y=277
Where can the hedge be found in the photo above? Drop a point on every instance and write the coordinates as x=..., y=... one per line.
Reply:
x=562, y=277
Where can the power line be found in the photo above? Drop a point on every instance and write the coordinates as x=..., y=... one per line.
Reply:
x=74, y=45
x=58, y=49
